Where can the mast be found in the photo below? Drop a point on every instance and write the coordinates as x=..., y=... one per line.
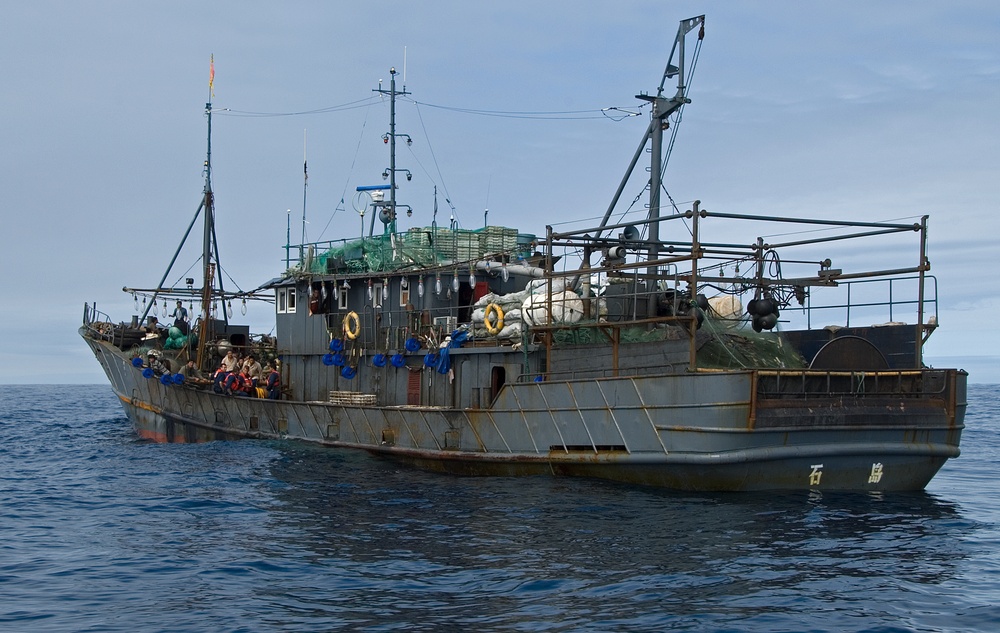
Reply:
x=662, y=107
x=208, y=280
x=390, y=138
x=305, y=187
x=392, y=150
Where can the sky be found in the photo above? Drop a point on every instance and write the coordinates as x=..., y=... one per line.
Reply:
x=853, y=109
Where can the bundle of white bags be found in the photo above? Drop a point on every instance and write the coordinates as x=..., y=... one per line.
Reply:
x=530, y=306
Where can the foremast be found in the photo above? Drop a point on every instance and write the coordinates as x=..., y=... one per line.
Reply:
x=210, y=249
x=208, y=203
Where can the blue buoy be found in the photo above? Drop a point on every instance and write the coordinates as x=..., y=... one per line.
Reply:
x=178, y=379
x=327, y=359
x=430, y=359
x=336, y=345
x=348, y=372
x=378, y=360
x=412, y=345
x=165, y=380
x=338, y=359
x=397, y=360
x=147, y=373
x=137, y=362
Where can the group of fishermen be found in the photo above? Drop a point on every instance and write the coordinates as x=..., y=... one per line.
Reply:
x=238, y=376
x=235, y=376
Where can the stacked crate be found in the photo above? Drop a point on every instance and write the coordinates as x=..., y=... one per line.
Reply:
x=497, y=239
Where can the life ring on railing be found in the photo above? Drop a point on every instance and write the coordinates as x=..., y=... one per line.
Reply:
x=493, y=328
x=352, y=331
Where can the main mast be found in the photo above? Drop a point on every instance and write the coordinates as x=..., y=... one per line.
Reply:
x=391, y=139
x=663, y=107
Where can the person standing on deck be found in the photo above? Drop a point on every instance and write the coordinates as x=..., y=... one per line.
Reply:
x=273, y=383
x=180, y=318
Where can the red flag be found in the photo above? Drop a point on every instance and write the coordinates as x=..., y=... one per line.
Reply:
x=211, y=75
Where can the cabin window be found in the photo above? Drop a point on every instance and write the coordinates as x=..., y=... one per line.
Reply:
x=377, y=296
x=285, y=300
x=404, y=297
x=342, y=298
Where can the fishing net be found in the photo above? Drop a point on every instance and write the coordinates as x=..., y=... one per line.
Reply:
x=421, y=247
x=728, y=344
x=744, y=348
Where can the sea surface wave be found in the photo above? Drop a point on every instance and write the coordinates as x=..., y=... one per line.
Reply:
x=103, y=532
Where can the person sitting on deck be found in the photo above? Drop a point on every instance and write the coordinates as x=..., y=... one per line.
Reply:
x=153, y=361
x=235, y=384
x=246, y=386
x=253, y=370
x=219, y=379
x=273, y=382
x=192, y=374
x=231, y=383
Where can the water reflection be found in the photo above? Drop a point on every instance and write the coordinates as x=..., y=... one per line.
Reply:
x=578, y=552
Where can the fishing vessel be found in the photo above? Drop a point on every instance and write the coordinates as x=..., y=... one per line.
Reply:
x=681, y=347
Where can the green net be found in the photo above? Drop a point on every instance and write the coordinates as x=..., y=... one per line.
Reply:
x=745, y=349
x=728, y=345
x=421, y=247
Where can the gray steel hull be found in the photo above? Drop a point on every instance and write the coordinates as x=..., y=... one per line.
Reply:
x=700, y=431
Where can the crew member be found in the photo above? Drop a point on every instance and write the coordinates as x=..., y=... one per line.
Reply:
x=219, y=379
x=273, y=381
x=191, y=372
x=230, y=362
x=153, y=360
x=253, y=370
x=180, y=318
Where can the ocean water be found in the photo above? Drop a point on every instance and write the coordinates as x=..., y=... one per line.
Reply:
x=102, y=532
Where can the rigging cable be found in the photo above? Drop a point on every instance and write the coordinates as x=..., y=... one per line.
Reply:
x=680, y=110
x=673, y=132
x=572, y=115
x=357, y=150
x=447, y=196
x=353, y=105
x=670, y=145
x=539, y=114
